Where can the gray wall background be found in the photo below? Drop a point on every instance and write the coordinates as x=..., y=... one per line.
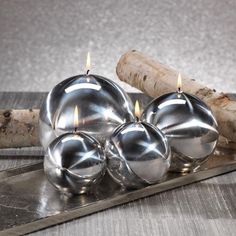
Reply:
x=43, y=42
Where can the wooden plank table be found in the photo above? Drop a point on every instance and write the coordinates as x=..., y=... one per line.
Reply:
x=204, y=208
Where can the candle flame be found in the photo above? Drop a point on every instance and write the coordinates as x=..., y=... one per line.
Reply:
x=88, y=63
x=76, y=117
x=137, y=109
x=179, y=83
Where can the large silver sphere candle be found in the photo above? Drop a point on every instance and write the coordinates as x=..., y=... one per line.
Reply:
x=74, y=163
x=102, y=106
x=189, y=125
x=137, y=154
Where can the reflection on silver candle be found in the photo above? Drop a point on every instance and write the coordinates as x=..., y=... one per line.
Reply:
x=137, y=154
x=102, y=106
x=188, y=124
x=74, y=162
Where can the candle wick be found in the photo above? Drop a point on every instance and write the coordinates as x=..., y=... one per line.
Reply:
x=179, y=90
x=136, y=119
x=87, y=72
x=75, y=130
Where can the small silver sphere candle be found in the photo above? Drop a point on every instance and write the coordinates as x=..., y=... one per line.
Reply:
x=137, y=154
x=102, y=106
x=188, y=124
x=74, y=163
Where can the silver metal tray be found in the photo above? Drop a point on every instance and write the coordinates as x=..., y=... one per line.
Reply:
x=29, y=203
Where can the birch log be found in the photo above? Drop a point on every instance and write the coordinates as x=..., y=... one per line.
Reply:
x=155, y=79
x=19, y=128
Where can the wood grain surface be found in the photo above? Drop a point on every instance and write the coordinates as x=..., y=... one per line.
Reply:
x=205, y=208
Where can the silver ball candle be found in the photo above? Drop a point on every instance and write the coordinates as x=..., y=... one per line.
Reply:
x=74, y=163
x=189, y=125
x=137, y=154
x=102, y=106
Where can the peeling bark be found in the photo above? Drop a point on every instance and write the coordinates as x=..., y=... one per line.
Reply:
x=19, y=128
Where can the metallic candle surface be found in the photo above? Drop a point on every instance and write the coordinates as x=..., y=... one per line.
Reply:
x=137, y=154
x=74, y=163
x=102, y=106
x=189, y=126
